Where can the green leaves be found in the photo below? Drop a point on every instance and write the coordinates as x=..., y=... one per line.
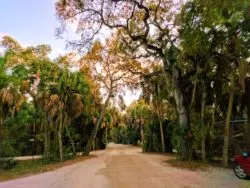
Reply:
x=236, y=18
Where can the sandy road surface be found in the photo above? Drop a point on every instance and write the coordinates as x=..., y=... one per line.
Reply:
x=126, y=167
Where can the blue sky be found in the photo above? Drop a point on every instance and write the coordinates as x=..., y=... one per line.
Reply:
x=31, y=22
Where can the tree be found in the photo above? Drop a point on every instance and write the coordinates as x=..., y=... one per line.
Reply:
x=213, y=35
x=56, y=92
x=139, y=114
x=147, y=28
x=158, y=89
x=108, y=70
x=61, y=98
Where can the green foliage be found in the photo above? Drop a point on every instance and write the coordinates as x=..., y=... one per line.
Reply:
x=20, y=130
x=7, y=149
x=35, y=93
x=152, y=137
x=124, y=135
x=151, y=141
x=3, y=75
x=115, y=135
x=7, y=164
x=139, y=110
x=16, y=133
x=40, y=98
x=177, y=138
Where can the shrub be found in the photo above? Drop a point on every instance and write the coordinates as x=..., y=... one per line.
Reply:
x=152, y=137
x=7, y=150
x=124, y=135
x=6, y=154
x=6, y=164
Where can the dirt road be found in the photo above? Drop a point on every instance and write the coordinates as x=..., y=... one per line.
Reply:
x=126, y=167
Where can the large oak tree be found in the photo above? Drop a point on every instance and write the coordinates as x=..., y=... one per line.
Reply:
x=147, y=28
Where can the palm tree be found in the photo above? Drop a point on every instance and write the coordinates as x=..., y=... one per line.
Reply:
x=62, y=101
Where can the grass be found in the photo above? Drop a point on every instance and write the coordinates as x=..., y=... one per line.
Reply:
x=190, y=165
x=31, y=167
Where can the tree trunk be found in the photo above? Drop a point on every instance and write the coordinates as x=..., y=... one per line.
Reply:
x=159, y=114
x=60, y=139
x=161, y=129
x=106, y=136
x=48, y=142
x=142, y=133
x=247, y=89
x=185, y=150
x=203, y=139
x=96, y=126
x=195, y=86
x=45, y=140
x=71, y=141
x=162, y=137
x=60, y=145
x=227, y=122
x=55, y=144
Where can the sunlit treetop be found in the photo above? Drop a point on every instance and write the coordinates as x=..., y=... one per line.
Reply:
x=107, y=68
x=16, y=54
x=148, y=23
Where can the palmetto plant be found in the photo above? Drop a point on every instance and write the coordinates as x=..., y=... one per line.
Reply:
x=56, y=93
x=62, y=101
x=10, y=102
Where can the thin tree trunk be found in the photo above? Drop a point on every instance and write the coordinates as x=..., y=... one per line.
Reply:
x=45, y=140
x=159, y=114
x=161, y=129
x=227, y=122
x=106, y=135
x=195, y=86
x=60, y=139
x=71, y=141
x=203, y=139
x=55, y=144
x=162, y=137
x=142, y=132
x=60, y=145
x=95, y=129
x=48, y=144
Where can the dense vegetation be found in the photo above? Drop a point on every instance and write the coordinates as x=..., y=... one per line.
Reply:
x=202, y=48
x=45, y=108
x=190, y=61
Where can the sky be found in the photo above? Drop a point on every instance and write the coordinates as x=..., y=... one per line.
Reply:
x=33, y=22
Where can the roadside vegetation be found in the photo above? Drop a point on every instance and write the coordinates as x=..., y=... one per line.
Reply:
x=30, y=167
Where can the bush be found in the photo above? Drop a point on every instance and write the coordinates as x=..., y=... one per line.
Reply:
x=124, y=135
x=7, y=150
x=152, y=137
x=177, y=139
x=151, y=141
x=115, y=135
x=6, y=164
